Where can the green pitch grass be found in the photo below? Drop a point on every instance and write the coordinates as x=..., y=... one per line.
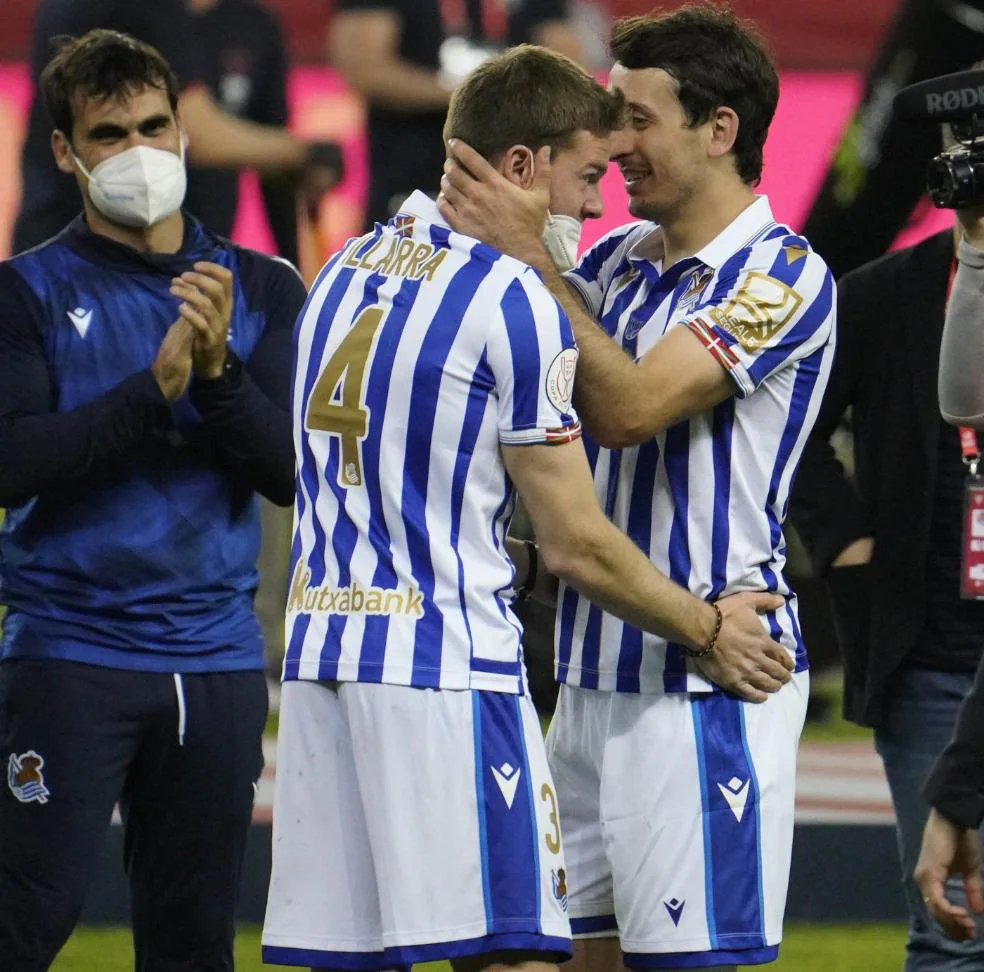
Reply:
x=807, y=948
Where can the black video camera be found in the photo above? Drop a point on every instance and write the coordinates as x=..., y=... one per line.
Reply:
x=955, y=177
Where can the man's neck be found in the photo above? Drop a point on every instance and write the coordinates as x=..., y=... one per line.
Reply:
x=702, y=218
x=163, y=237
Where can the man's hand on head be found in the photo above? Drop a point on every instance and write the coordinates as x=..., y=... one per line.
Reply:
x=478, y=201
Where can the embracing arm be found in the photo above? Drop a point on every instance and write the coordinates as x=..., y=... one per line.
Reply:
x=580, y=545
x=622, y=401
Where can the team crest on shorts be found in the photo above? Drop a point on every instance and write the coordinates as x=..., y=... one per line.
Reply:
x=560, y=886
x=25, y=779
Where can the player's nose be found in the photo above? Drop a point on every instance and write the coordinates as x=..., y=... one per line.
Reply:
x=623, y=142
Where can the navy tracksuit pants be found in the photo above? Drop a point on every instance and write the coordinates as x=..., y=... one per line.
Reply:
x=180, y=754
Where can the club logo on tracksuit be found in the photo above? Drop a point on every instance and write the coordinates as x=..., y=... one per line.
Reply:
x=25, y=779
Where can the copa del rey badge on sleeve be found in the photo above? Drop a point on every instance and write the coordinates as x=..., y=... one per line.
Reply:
x=972, y=561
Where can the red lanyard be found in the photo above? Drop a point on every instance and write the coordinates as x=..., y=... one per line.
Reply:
x=969, y=448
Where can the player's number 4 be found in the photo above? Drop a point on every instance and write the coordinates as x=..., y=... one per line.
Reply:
x=347, y=416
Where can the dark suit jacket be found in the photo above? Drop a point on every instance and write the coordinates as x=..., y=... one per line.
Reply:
x=890, y=321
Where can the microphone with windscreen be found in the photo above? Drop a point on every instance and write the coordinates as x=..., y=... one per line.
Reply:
x=955, y=177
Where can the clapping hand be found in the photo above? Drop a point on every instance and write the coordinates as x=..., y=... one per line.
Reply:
x=206, y=295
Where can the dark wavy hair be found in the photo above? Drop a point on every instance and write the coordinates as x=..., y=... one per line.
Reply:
x=717, y=60
x=102, y=64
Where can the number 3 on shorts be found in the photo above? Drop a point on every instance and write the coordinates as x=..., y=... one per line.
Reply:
x=552, y=837
x=349, y=418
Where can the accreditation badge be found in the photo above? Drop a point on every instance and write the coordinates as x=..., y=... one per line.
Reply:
x=972, y=560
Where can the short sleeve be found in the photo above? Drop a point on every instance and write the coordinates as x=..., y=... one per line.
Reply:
x=776, y=308
x=533, y=356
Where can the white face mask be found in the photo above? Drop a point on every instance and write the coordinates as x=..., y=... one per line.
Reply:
x=138, y=187
x=561, y=235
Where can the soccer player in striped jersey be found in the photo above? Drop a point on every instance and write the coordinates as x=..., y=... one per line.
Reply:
x=703, y=358
x=416, y=817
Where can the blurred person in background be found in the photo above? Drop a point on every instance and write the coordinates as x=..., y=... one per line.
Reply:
x=405, y=57
x=49, y=201
x=244, y=67
x=888, y=543
x=144, y=385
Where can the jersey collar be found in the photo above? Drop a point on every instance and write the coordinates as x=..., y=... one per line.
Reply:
x=420, y=205
x=750, y=223
x=197, y=244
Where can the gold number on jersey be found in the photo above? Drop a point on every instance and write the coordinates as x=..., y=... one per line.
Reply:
x=552, y=837
x=349, y=417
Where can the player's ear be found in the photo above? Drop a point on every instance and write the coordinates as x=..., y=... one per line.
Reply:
x=518, y=166
x=723, y=131
x=62, y=152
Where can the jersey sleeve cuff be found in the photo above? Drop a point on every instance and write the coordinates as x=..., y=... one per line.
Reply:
x=555, y=436
x=724, y=352
x=581, y=291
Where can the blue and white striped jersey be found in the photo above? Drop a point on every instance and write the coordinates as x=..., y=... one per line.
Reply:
x=705, y=499
x=418, y=352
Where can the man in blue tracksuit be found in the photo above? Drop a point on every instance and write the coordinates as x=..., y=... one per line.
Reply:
x=144, y=377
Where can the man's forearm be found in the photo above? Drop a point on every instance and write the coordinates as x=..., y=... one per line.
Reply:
x=216, y=138
x=611, y=571
x=251, y=432
x=38, y=452
x=961, y=379
x=401, y=86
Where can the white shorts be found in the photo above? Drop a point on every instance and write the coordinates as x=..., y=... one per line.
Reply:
x=411, y=825
x=677, y=812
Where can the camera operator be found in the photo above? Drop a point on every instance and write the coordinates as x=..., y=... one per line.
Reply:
x=887, y=543
x=955, y=787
